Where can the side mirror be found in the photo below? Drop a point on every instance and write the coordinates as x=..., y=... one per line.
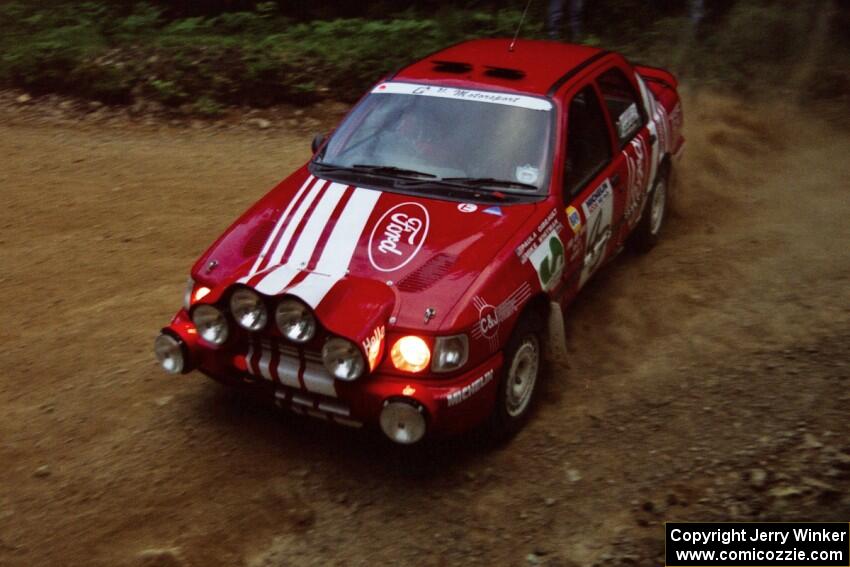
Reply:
x=318, y=142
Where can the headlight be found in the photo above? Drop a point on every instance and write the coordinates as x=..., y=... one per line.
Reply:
x=169, y=353
x=248, y=309
x=211, y=324
x=411, y=354
x=295, y=321
x=191, y=295
x=187, y=295
x=450, y=353
x=343, y=359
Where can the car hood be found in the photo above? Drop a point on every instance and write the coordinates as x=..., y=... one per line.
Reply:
x=359, y=256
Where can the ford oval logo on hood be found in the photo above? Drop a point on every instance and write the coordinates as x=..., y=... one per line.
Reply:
x=398, y=236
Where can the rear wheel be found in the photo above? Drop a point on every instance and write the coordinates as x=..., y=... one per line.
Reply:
x=520, y=377
x=648, y=230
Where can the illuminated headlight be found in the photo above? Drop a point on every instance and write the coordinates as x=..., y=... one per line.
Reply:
x=295, y=321
x=411, y=354
x=450, y=353
x=248, y=309
x=211, y=324
x=402, y=422
x=169, y=353
x=187, y=295
x=343, y=359
x=191, y=295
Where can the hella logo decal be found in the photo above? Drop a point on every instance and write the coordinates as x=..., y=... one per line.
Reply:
x=398, y=236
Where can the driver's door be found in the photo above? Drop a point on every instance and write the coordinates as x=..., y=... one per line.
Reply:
x=591, y=180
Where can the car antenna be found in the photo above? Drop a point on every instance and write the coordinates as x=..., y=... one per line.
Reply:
x=519, y=26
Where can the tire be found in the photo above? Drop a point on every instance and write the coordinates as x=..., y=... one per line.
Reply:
x=519, y=379
x=648, y=231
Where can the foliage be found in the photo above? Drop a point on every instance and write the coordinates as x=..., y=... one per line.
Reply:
x=201, y=56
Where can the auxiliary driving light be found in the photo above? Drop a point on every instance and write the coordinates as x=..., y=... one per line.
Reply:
x=295, y=321
x=169, y=353
x=248, y=309
x=343, y=359
x=411, y=354
x=211, y=324
x=402, y=422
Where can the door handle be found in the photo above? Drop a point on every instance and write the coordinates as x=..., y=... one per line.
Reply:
x=615, y=180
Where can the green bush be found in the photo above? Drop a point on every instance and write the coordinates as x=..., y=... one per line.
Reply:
x=269, y=53
x=207, y=107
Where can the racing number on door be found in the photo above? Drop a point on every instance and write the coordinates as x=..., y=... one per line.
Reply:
x=598, y=211
x=589, y=155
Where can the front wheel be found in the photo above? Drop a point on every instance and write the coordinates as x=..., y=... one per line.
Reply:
x=648, y=230
x=520, y=375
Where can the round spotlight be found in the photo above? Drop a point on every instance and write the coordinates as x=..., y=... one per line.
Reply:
x=169, y=353
x=402, y=422
x=343, y=359
x=211, y=324
x=248, y=309
x=295, y=321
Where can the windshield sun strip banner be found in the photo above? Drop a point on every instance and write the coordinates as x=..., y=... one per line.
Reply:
x=507, y=99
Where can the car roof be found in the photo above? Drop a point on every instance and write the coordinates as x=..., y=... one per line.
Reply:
x=532, y=67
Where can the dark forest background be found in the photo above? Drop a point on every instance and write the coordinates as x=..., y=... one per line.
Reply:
x=201, y=56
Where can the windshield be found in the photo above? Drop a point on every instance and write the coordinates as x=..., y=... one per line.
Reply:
x=485, y=139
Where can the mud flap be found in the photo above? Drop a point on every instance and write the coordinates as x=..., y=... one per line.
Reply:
x=556, y=336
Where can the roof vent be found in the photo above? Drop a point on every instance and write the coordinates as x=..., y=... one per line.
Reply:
x=504, y=73
x=457, y=67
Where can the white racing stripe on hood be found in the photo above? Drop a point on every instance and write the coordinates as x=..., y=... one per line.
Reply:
x=306, y=244
x=339, y=249
x=255, y=268
x=292, y=226
x=281, y=276
x=276, y=280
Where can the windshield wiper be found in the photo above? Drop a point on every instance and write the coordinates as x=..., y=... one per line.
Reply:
x=391, y=170
x=489, y=182
x=328, y=167
x=409, y=179
x=386, y=170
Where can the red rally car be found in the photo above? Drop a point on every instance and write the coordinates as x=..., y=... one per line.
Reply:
x=409, y=274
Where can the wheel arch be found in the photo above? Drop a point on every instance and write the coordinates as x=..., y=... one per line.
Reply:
x=548, y=318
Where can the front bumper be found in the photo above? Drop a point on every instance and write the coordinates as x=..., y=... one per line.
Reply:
x=298, y=381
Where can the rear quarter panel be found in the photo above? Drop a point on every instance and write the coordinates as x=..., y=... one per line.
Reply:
x=666, y=107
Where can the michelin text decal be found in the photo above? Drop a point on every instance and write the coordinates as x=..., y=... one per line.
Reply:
x=468, y=391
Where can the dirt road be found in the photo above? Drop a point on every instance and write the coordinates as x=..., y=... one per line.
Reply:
x=709, y=380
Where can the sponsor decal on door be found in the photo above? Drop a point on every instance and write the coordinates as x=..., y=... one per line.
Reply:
x=598, y=213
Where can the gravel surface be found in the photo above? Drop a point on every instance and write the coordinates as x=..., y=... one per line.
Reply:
x=706, y=381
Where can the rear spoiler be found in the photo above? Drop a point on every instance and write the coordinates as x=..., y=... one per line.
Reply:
x=657, y=75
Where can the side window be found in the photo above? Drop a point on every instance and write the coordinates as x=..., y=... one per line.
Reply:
x=588, y=144
x=624, y=105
